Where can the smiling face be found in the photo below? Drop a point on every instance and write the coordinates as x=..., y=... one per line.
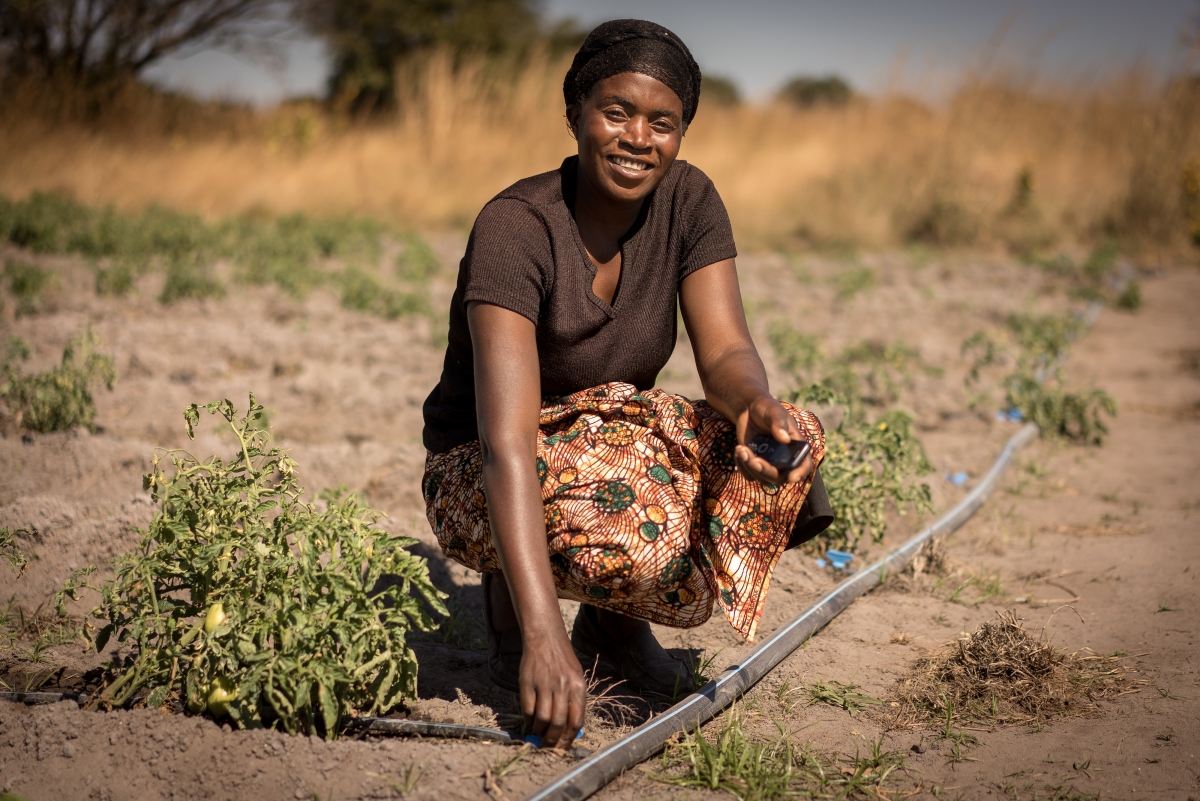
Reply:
x=629, y=130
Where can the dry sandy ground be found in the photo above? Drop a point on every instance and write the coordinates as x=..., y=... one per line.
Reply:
x=1112, y=526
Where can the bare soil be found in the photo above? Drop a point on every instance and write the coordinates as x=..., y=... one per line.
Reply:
x=1094, y=547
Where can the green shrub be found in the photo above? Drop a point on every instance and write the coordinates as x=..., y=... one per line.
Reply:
x=417, y=263
x=362, y=291
x=242, y=599
x=1095, y=279
x=188, y=279
x=1035, y=347
x=45, y=222
x=27, y=283
x=60, y=398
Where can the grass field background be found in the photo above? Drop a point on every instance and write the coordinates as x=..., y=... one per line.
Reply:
x=1009, y=158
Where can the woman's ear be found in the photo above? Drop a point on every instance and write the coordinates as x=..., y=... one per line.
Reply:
x=573, y=120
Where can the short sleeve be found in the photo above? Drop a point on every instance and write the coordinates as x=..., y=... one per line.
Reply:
x=708, y=235
x=509, y=259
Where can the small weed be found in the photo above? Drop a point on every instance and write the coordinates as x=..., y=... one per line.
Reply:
x=751, y=770
x=408, y=781
x=986, y=588
x=1165, y=608
x=853, y=281
x=1130, y=298
x=702, y=668
x=59, y=398
x=1165, y=692
x=835, y=693
x=16, y=558
x=1065, y=793
x=511, y=764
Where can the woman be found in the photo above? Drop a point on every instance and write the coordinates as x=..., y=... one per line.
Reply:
x=552, y=462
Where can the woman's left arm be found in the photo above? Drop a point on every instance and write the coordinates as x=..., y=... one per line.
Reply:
x=733, y=376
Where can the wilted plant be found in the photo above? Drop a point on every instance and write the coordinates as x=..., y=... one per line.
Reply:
x=60, y=398
x=1002, y=674
x=245, y=600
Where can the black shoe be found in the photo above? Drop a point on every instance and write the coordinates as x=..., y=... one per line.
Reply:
x=645, y=665
x=504, y=647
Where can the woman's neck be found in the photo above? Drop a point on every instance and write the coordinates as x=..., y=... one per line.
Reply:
x=594, y=211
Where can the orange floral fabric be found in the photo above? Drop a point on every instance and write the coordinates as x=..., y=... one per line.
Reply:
x=646, y=513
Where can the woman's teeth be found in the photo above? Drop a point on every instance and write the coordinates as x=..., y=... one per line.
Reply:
x=630, y=164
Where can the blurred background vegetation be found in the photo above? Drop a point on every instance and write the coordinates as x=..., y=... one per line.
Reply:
x=433, y=106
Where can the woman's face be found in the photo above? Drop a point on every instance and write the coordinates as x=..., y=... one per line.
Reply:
x=629, y=130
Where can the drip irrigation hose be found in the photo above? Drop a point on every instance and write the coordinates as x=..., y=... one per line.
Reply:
x=648, y=739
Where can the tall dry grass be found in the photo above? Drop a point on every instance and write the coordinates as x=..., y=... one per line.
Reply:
x=1007, y=159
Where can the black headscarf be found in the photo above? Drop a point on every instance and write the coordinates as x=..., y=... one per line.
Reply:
x=633, y=45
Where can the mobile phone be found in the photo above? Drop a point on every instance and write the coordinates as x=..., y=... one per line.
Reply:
x=783, y=456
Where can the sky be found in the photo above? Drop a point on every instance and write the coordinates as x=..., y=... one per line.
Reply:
x=875, y=44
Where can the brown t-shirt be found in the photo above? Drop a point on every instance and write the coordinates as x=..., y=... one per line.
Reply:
x=525, y=254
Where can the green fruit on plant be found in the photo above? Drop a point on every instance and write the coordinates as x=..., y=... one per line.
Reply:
x=216, y=616
x=196, y=706
x=220, y=694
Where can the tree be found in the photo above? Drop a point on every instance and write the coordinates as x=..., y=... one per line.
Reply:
x=807, y=92
x=719, y=90
x=370, y=38
x=96, y=41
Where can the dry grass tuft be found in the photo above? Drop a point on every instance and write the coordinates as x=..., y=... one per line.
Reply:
x=1001, y=674
x=932, y=562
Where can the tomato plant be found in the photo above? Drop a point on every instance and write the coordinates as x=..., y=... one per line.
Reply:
x=244, y=599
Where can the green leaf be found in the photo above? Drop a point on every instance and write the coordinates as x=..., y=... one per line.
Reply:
x=329, y=710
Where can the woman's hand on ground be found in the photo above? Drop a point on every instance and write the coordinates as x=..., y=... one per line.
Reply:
x=767, y=415
x=553, y=690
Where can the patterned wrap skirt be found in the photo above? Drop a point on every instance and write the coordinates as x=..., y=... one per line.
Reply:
x=646, y=513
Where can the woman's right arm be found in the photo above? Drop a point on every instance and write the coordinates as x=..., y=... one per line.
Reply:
x=508, y=401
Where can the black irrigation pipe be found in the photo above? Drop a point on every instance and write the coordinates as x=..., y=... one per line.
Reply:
x=360, y=726
x=378, y=726
x=648, y=739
